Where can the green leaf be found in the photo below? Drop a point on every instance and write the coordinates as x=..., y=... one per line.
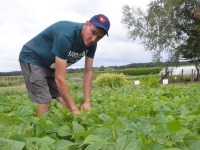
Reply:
x=133, y=127
x=127, y=142
x=4, y=145
x=144, y=139
x=97, y=145
x=17, y=120
x=178, y=137
x=156, y=146
x=160, y=133
x=64, y=131
x=40, y=141
x=24, y=111
x=195, y=146
x=14, y=145
x=173, y=149
x=59, y=105
x=77, y=128
x=91, y=139
x=113, y=125
x=176, y=99
x=45, y=125
x=49, y=128
x=174, y=126
x=63, y=145
x=105, y=118
x=190, y=139
x=44, y=147
x=17, y=137
x=160, y=119
x=6, y=121
x=105, y=133
x=46, y=140
x=39, y=130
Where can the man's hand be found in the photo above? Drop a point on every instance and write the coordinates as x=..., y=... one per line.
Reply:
x=60, y=72
x=87, y=83
x=74, y=112
x=86, y=105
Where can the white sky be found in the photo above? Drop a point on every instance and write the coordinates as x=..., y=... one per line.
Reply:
x=20, y=20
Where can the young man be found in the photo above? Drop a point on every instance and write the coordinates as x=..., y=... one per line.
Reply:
x=45, y=57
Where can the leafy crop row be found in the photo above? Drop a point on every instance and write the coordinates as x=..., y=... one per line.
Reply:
x=139, y=71
x=127, y=118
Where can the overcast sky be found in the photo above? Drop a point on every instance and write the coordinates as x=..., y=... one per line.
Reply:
x=20, y=20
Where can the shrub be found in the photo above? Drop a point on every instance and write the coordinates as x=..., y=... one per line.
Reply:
x=147, y=82
x=111, y=80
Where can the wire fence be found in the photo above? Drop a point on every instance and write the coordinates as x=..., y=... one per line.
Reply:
x=181, y=74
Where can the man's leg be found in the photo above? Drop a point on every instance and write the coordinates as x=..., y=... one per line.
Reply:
x=54, y=90
x=43, y=108
x=60, y=100
x=37, y=87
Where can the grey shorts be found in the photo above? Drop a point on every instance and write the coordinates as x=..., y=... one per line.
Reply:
x=40, y=83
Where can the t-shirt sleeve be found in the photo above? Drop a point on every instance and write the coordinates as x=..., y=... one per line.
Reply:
x=61, y=45
x=91, y=51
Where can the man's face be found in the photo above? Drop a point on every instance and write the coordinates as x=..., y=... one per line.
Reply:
x=91, y=34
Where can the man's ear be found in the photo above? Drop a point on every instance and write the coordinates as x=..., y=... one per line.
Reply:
x=87, y=23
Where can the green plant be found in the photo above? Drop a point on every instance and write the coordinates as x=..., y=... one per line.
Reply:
x=110, y=80
x=163, y=118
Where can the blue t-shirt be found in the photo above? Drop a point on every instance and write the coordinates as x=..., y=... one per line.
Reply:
x=62, y=39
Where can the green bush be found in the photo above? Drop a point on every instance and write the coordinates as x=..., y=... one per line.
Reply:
x=110, y=80
x=147, y=82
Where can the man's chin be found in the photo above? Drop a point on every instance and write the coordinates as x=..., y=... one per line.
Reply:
x=87, y=44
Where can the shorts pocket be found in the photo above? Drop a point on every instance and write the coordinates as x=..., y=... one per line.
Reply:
x=33, y=78
x=38, y=85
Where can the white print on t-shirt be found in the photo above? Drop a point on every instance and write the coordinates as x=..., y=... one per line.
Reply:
x=76, y=55
x=72, y=57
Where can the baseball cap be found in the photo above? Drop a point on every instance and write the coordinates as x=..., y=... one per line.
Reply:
x=101, y=21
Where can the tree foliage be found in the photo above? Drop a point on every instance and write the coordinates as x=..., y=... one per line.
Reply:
x=169, y=26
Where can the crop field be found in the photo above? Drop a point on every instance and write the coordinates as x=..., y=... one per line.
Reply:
x=7, y=81
x=149, y=116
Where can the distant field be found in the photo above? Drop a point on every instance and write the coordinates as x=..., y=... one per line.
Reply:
x=134, y=73
x=4, y=89
x=7, y=81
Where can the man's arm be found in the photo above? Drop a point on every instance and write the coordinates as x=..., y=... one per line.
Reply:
x=87, y=83
x=60, y=72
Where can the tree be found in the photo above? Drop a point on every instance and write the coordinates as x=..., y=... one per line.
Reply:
x=101, y=68
x=168, y=26
x=187, y=22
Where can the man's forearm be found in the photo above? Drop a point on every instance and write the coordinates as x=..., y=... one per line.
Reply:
x=65, y=93
x=87, y=83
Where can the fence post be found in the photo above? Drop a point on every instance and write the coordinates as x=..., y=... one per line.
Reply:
x=171, y=75
x=192, y=77
x=181, y=75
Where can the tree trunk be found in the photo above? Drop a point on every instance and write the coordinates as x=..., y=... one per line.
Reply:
x=197, y=68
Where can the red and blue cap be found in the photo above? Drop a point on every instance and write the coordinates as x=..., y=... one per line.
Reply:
x=101, y=21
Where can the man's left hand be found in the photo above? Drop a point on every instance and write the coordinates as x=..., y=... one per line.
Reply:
x=86, y=105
